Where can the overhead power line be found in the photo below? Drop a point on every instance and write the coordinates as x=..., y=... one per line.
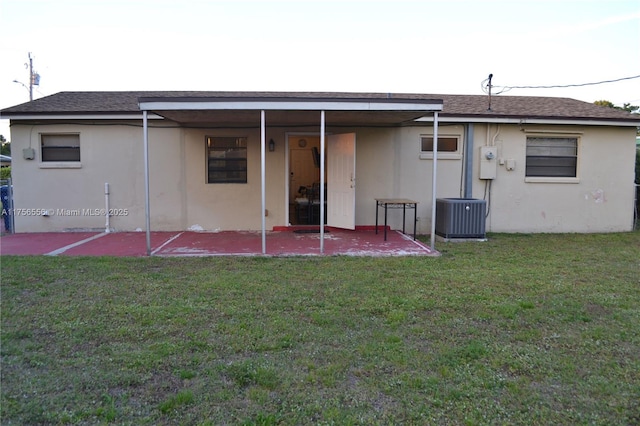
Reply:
x=502, y=89
x=574, y=85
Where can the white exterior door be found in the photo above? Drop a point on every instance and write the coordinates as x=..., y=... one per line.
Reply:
x=341, y=180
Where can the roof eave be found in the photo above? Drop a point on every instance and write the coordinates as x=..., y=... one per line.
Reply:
x=589, y=121
x=75, y=116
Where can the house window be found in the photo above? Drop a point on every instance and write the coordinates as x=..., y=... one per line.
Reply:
x=60, y=148
x=549, y=156
x=445, y=144
x=226, y=160
x=448, y=147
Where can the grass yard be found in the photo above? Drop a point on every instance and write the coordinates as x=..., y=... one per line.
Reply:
x=522, y=329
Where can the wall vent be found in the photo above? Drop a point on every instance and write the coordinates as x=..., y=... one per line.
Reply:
x=460, y=218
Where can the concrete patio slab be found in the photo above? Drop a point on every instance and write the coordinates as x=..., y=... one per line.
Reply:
x=227, y=243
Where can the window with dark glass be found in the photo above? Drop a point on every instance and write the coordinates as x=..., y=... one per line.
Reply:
x=552, y=156
x=60, y=147
x=445, y=144
x=226, y=159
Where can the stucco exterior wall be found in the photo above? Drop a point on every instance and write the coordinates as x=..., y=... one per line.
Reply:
x=73, y=197
x=232, y=206
x=180, y=198
x=599, y=200
x=389, y=164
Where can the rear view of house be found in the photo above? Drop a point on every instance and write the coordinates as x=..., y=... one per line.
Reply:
x=245, y=160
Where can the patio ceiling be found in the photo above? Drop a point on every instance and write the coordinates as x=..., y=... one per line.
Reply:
x=250, y=118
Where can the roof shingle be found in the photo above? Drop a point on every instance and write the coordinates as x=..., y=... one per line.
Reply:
x=82, y=103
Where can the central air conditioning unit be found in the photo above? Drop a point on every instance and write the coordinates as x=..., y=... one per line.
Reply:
x=460, y=218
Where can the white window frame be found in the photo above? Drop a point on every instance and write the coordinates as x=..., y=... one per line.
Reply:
x=59, y=164
x=555, y=179
x=442, y=155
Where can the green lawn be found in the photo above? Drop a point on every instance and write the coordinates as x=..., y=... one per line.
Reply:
x=522, y=329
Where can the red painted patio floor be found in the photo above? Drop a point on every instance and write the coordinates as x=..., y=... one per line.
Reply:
x=227, y=243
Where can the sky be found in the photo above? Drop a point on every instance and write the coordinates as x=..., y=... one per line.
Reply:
x=397, y=46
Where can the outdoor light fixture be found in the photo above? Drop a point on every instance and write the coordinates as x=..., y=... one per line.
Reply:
x=272, y=145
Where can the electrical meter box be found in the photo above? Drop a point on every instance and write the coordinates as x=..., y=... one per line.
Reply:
x=488, y=162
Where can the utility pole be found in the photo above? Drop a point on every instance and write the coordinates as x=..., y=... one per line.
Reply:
x=34, y=78
x=30, y=77
x=490, y=86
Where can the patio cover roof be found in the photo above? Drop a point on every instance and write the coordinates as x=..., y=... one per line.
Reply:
x=286, y=109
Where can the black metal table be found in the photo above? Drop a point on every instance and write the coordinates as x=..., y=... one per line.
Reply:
x=397, y=203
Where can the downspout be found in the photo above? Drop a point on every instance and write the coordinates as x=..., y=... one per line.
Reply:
x=433, y=180
x=322, y=143
x=468, y=151
x=262, y=181
x=147, y=214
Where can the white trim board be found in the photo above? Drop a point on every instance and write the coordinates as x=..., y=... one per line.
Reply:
x=291, y=105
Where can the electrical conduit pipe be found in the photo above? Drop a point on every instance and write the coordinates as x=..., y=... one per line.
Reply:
x=106, y=210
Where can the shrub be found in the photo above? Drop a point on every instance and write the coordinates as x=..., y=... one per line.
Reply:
x=5, y=172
